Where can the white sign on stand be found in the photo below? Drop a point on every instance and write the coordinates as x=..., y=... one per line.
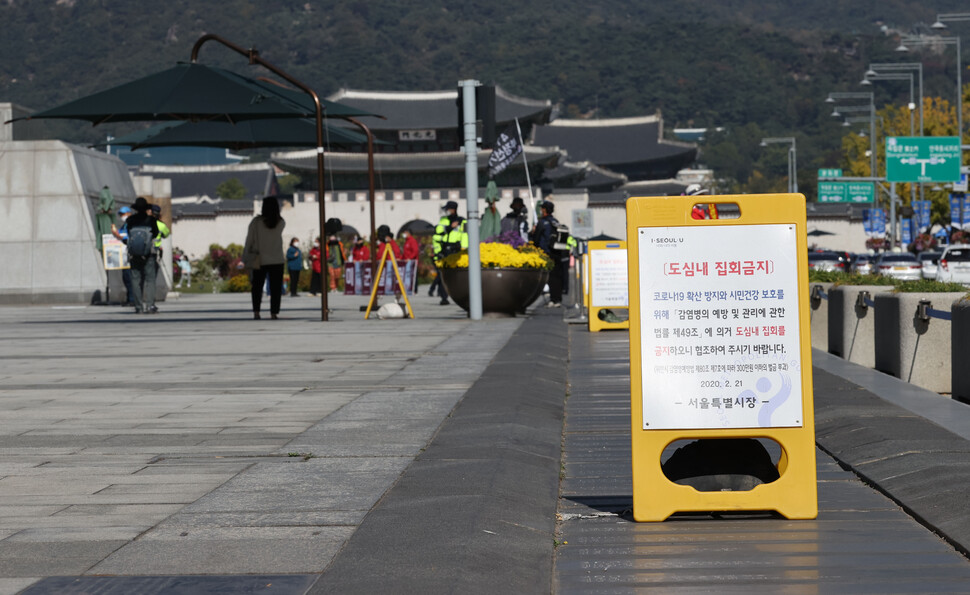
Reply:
x=609, y=285
x=719, y=327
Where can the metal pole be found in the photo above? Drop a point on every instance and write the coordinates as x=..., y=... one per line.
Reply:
x=794, y=167
x=892, y=215
x=370, y=187
x=471, y=195
x=528, y=179
x=254, y=58
x=959, y=96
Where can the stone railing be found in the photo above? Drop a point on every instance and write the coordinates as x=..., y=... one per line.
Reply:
x=922, y=338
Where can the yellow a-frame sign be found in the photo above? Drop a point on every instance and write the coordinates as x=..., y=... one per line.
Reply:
x=388, y=253
x=720, y=346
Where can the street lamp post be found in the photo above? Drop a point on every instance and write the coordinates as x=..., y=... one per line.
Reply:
x=875, y=69
x=912, y=105
x=941, y=20
x=912, y=99
x=792, y=159
x=871, y=108
x=947, y=41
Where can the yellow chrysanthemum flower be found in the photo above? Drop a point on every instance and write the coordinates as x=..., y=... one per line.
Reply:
x=496, y=256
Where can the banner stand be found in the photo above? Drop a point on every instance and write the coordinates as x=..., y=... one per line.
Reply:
x=720, y=348
x=608, y=285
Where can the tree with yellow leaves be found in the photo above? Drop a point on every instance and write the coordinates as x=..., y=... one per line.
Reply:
x=939, y=119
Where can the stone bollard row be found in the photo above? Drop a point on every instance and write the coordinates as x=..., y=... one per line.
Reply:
x=872, y=326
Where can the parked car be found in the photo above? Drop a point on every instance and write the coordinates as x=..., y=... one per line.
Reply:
x=898, y=265
x=954, y=265
x=862, y=264
x=824, y=261
x=929, y=261
x=845, y=259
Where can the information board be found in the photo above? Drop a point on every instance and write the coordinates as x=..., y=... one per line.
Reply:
x=719, y=328
x=608, y=280
x=582, y=227
x=923, y=159
x=859, y=192
x=114, y=253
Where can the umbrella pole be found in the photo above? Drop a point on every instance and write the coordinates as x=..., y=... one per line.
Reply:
x=370, y=182
x=254, y=58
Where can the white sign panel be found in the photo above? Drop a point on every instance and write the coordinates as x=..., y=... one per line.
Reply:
x=609, y=279
x=719, y=327
x=582, y=223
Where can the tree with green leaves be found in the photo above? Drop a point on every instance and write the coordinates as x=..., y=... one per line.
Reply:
x=231, y=189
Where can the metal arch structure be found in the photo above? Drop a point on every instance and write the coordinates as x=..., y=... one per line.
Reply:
x=254, y=58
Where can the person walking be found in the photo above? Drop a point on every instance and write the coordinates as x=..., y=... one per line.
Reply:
x=142, y=229
x=185, y=268
x=316, y=268
x=263, y=252
x=122, y=234
x=294, y=263
x=409, y=254
x=441, y=233
x=335, y=261
x=545, y=239
x=386, y=238
x=517, y=220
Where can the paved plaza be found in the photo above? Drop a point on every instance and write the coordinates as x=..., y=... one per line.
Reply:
x=200, y=451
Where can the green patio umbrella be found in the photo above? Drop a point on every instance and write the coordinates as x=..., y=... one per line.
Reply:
x=250, y=134
x=194, y=92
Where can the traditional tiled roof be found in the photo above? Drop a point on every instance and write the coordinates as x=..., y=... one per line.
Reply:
x=337, y=163
x=409, y=110
x=634, y=147
x=668, y=187
x=259, y=179
x=211, y=209
x=571, y=174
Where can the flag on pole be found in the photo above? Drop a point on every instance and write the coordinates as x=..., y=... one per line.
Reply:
x=507, y=148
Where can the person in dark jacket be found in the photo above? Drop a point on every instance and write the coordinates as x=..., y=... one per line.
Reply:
x=545, y=238
x=294, y=264
x=142, y=267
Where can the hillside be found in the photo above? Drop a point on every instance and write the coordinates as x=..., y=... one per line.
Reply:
x=731, y=63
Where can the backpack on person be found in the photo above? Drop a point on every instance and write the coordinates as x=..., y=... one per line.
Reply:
x=560, y=237
x=140, y=241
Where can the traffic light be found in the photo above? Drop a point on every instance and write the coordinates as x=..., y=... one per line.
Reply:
x=485, y=112
x=484, y=115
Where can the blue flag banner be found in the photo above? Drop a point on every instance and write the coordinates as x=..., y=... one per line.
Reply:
x=956, y=211
x=879, y=225
x=921, y=210
x=906, y=230
x=867, y=221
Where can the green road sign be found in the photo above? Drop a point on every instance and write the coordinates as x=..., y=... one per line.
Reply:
x=830, y=172
x=922, y=159
x=846, y=192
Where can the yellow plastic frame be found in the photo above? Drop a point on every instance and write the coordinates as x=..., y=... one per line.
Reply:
x=795, y=494
x=595, y=324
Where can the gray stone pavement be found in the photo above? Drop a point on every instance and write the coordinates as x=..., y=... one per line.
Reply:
x=201, y=442
x=199, y=451
x=861, y=542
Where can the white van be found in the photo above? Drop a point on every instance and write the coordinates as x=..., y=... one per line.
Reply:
x=954, y=265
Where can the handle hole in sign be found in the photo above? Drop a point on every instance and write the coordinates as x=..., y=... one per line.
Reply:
x=715, y=210
x=722, y=464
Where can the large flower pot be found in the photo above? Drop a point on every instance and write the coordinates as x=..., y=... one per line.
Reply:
x=504, y=291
